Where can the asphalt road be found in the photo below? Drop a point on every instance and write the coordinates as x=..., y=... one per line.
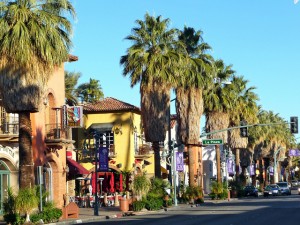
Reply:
x=279, y=210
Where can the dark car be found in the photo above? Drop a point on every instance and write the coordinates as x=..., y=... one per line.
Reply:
x=272, y=189
x=251, y=190
x=284, y=187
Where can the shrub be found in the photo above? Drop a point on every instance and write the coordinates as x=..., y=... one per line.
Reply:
x=49, y=214
x=13, y=219
x=218, y=190
x=26, y=201
x=154, y=203
x=138, y=205
x=141, y=185
x=192, y=194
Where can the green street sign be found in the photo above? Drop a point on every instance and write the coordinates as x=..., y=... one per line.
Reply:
x=212, y=142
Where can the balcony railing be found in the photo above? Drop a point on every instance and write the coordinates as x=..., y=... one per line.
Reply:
x=10, y=128
x=55, y=131
x=88, y=155
x=144, y=149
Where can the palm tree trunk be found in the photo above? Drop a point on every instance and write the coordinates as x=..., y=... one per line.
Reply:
x=192, y=164
x=26, y=165
x=218, y=160
x=200, y=167
x=156, y=149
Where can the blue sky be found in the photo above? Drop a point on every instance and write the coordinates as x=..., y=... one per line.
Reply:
x=260, y=38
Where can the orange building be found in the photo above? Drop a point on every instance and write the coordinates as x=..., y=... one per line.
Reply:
x=50, y=141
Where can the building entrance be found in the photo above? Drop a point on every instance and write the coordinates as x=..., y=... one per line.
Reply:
x=4, y=183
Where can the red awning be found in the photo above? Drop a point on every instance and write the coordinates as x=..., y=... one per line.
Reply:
x=76, y=168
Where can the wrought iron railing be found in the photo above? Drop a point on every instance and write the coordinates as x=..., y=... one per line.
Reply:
x=88, y=154
x=55, y=131
x=144, y=149
x=10, y=128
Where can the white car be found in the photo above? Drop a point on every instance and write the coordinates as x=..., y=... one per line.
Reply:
x=294, y=183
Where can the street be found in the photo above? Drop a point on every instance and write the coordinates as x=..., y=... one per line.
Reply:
x=277, y=210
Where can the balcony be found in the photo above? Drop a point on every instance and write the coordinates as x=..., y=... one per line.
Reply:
x=10, y=128
x=55, y=131
x=9, y=132
x=144, y=151
x=88, y=155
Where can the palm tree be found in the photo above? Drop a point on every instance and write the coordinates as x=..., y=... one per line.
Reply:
x=244, y=108
x=149, y=62
x=71, y=80
x=90, y=92
x=189, y=105
x=217, y=106
x=265, y=140
x=34, y=41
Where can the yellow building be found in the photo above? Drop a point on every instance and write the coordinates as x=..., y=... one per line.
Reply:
x=119, y=129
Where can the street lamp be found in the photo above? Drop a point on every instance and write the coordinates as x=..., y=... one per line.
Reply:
x=172, y=168
x=97, y=144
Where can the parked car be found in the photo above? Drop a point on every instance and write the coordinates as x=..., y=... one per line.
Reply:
x=284, y=187
x=251, y=190
x=294, y=183
x=272, y=189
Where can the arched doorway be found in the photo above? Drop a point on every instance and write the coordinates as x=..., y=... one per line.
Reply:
x=4, y=183
x=48, y=180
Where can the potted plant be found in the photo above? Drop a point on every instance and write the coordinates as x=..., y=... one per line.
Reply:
x=194, y=194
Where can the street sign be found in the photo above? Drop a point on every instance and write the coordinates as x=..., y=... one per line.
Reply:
x=212, y=142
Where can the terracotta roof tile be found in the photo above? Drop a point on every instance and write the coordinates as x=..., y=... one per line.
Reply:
x=109, y=104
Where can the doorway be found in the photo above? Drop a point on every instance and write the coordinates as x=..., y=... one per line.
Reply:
x=4, y=183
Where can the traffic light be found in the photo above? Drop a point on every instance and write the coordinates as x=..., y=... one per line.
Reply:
x=294, y=124
x=243, y=130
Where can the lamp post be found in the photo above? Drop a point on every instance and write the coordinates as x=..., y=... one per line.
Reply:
x=174, y=174
x=170, y=141
x=97, y=144
x=172, y=167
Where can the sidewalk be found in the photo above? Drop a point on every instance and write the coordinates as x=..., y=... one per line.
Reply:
x=87, y=214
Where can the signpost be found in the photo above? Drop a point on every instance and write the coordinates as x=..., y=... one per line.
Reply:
x=212, y=142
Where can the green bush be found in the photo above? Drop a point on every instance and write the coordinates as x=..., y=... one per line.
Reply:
x=9, y=208
x=218, y=191
x=13, y=219
x=49, y=214
x=138, y=205
x=154, y=203
x=192, y=194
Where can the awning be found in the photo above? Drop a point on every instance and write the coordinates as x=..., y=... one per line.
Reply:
x=89, y=166
x=75, y=168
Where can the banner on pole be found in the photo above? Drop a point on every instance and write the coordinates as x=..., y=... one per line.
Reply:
x=179, y=161
x=103, y=159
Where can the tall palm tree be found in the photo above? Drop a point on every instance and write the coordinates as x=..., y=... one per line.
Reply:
x=244, y=108
x=217, y=106
x=194, y=76
x=149, y=62
x=71, y=80
x=90, y=92
x=34, y=41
